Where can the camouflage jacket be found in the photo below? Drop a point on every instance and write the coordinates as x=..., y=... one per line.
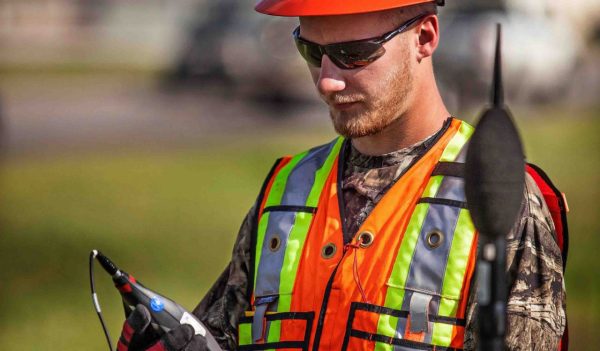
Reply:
x=536, y=306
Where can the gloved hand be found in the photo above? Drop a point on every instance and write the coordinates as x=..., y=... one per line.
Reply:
x=138, y=335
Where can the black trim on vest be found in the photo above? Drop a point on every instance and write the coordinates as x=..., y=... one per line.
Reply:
x=350, y=332
x=303, y=345
x=289, y=208
x=452, y=169
x=356, y=306
x=274, y=345
x=254, y=232
x=399, y=342
x=321, y=320
x=447, y=202
x=340, y=178
x=278, y=316
x=404, y=314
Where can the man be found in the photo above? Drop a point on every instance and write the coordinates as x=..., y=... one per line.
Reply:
x=365, y=243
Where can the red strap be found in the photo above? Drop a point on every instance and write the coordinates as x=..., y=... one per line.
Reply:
x=553, y=204
x=126, y=334
x=159, y=346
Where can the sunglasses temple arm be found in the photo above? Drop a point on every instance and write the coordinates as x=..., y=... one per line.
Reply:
x=404, y=27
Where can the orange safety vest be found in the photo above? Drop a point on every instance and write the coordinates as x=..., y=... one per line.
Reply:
x=401, y=283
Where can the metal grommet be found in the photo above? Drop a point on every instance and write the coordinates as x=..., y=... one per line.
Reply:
x=274, y=243
x=328, y=251
x=365, y=239
x=434, y=238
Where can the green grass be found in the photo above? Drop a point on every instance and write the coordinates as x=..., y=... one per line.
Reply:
x=170, y=217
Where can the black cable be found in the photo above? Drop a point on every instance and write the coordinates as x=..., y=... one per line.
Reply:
x=93, y=255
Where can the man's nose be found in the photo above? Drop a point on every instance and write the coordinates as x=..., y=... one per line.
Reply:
x=331, y=79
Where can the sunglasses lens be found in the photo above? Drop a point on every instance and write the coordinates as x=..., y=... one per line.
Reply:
x=346, y=55
x=357, y=54
x=309, y=52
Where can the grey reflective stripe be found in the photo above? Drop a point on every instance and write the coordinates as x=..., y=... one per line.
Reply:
x=302, y=177
x=452, y=188
x=428, y=265
x=280, y=225
x=462, y=155
x=258, y=322
x=403, y=348
x=298, y=187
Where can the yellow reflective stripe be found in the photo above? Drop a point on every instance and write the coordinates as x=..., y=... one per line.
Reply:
x=433, y=186
x=386, y=325
x=459, y=256
x=458, y=261
x=458, y=141
x=402, y=263
x=245, y=334
x=274, y=331
x=442, y=334
x=280, y=182
x=291, y=259
x=273, y=199
x=322, y=174
x=380, y=346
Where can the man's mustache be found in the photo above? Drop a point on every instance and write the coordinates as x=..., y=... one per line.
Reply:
x=335, y=99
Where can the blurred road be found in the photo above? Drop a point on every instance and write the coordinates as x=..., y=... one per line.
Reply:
x=71, y=112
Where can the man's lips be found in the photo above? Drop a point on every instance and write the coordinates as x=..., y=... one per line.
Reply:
x=345, y=105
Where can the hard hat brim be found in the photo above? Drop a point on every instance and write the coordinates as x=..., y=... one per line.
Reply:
x=297, y=8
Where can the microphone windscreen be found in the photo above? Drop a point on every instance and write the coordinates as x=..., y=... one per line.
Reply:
x=494, y=174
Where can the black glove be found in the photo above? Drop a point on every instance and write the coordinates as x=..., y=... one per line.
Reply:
x=138, y=335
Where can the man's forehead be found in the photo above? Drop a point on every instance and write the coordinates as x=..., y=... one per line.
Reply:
x=336, y=28
x=387, y=15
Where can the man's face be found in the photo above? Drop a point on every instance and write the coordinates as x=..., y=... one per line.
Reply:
x=363, y=101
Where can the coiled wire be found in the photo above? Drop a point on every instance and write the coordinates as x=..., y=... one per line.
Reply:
x=93, y=255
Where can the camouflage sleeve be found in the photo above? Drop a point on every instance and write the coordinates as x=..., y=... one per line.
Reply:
x=536, y=303
x=226, y=301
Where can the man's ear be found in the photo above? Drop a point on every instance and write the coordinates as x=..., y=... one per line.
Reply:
x=428, y=37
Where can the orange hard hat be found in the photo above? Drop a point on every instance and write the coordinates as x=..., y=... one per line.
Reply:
x=295, y=8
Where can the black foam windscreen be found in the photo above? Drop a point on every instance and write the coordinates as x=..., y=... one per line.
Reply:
x=495, y=173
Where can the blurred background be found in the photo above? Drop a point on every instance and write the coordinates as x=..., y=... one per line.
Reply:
x=145, y=128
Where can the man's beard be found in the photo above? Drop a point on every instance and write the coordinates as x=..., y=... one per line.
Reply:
x=373, y=113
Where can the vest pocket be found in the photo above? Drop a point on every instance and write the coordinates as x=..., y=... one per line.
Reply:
x=372, y=327
x=283, y=330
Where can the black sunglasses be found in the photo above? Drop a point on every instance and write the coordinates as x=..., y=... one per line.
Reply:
x=349, y=54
